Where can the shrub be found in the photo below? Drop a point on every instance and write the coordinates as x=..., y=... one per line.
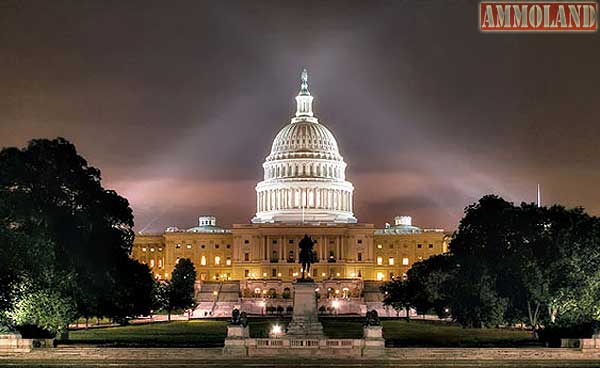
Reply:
x=552, y=333
x=28, y=331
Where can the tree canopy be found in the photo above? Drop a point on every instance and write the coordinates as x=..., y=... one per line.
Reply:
x=514, y=264
x=178, y=293
x=63, y=235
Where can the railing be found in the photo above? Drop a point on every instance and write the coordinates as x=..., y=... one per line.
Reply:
x=304, y=343
x=299, y=343
x=214, y=304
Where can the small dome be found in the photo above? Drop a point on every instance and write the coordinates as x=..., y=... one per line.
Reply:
x=207, y=224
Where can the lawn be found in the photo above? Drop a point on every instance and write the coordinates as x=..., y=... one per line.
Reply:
x=212, y=333
x=177, y=333
x=443, y=334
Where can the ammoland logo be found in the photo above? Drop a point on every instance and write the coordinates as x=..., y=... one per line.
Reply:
x=538, y=16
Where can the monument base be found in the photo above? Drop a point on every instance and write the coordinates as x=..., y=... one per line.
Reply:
x=235, y=343
x=14, y=343
x=374, y=344
x=305, y=320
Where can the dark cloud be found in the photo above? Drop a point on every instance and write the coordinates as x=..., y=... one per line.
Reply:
x=178, y=102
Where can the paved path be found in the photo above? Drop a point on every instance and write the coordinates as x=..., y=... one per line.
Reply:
x=395, y=357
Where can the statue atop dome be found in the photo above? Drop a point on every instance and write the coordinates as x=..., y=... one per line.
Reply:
x=304, y=99
x=304, y=85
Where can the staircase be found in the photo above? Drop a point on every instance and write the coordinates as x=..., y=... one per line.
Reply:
x=217, y=299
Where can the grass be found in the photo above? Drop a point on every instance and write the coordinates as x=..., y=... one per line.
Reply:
x=176, y=333
x=443, y=334
x=210, y=333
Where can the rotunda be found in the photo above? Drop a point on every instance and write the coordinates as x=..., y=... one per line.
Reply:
x=304, y=175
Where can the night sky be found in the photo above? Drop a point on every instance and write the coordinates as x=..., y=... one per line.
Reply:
x=178, y=102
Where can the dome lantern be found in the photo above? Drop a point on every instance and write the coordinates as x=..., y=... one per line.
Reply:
x=304, y=99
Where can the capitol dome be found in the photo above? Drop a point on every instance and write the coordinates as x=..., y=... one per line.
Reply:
x=304, y=175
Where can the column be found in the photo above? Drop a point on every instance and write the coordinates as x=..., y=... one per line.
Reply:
x=265, y=249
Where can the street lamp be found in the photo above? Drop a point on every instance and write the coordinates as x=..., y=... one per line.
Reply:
x=276, y=330
x=335, y=305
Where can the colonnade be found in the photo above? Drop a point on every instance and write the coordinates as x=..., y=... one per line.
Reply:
x=281, y=199
x=321, y=170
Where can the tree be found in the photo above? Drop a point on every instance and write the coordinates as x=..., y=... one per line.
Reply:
x=180, y=290
x=47, y=309
x=398, y=295
x=133, y=295
x=57, y=219
x=429, y=282
x=513, y=262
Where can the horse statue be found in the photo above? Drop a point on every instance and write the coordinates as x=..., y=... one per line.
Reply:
x=306, y=255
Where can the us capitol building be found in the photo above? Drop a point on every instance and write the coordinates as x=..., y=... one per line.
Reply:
x=304, y=191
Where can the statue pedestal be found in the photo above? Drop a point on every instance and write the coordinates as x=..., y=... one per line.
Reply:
x=235, y=343
x=374, y=344
x=237, y=332
x=305, y=321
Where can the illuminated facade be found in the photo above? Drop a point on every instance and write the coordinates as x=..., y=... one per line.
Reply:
x=304, y=191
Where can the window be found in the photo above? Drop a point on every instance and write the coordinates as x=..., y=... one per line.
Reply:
x=228, y=246
x=203, y=260
x=246, y=273
x=405, y=261
x=152, y=249
x=359, y=256
x=246, y=241
x=430, y=246
x=274, y=241
x=203, y=246
x=291, y=241
x=216, y=246
x=359, y=241
x=380, y=276
x=391, y=246
x=228, y=261
x=189, y=246
x=177, y=245
x=217, y=260
x=143, y=249
x=379, y=246
x=246, y=257
x=274, y=272
x=379, y=260
x=419, y=245
x=160, y=263
x=391, y=261
x=151, y=263
x=177, y=260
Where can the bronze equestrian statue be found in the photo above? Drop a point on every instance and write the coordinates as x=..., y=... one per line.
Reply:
x=306, y=254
